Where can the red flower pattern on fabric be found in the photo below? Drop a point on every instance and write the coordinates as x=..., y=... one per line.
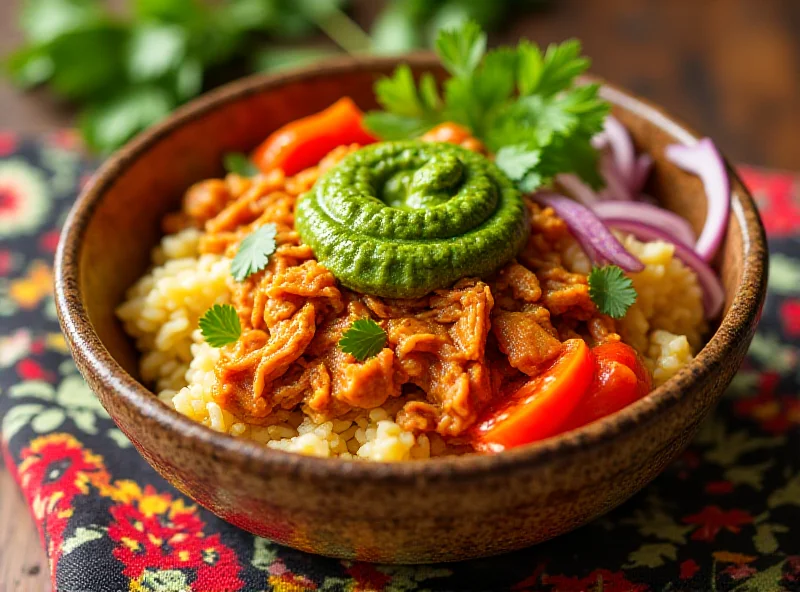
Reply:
x=739, y=572
x=54, y=470
x=688, y=569
x=774, y=413
x=719, y=487
x=712, y=519
x=6, y=260
x=600, y=580
x=367, y=578
x=790, y=316
x=778, y=199
x=155, y=533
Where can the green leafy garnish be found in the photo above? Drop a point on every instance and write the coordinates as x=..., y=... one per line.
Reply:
x=611, y=290
x=128, y=69
x=461, y=50
x=524, y=104
x=220, y=325
x=519, y=163
x=240, y=164
x=365, y=338
x=254, y=251
x=408, y=112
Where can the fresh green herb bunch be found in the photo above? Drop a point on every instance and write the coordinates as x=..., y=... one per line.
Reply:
x=128, y=70
x=522, y=102
x=131, y=70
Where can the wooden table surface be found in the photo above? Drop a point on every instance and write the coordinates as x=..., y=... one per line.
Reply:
x=730, y=68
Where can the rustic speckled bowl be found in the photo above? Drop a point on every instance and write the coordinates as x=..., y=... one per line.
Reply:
x=437, y=510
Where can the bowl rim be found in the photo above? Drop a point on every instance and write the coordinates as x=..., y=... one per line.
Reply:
x=259, y=459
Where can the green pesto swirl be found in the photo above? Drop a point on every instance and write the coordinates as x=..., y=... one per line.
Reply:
x=399, y=219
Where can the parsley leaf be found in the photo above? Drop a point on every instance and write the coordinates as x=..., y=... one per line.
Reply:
x=611, y=290
x=509, y=97
x=220, y=325
x=110, y=123
x=240, y=164
x=518, y=162
x=254, y=251
x=461, y=50
x=549, y=74
x=364, y=339
x=409, y=112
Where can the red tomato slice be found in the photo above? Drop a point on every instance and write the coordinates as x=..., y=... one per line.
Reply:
x=541, y=405
x=620, y=379
x=304, y=142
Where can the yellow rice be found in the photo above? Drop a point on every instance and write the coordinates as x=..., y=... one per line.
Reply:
x=162, y=309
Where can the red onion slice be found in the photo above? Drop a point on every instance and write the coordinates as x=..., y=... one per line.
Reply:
x=590, y=230
x=619, y=140
x=577, y=189
x=670, y=223
x=644, y=165
x=713, y=293
x=703, y=160
x=617, y=184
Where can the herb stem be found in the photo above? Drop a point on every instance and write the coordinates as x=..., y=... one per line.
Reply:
x=345, y=32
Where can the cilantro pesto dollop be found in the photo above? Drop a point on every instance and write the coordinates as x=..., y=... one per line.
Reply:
x=399, y=219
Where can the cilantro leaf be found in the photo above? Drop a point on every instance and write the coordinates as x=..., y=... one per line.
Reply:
x=509, y=97
x=611, y=290
x=395, y=30
x=240, y=164
x=254, y=251
x=364, y=339
x=45, y=20
x=518, y=162
x=220, y=325
x=113, y=122
x=572, y=155
x=390, y=126
x=475, y=100
x=429, y=94
x=189, y=79
x=461, y=49
x=155, y=50
x=398, y=94
x=515, y=161
x=30, y=66
x=409, y=112
x=549, y=74
x=75, y=77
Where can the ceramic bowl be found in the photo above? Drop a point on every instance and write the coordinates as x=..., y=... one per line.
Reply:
x=437, y=510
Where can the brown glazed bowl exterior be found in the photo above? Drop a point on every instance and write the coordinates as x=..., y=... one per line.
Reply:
x=438, y=510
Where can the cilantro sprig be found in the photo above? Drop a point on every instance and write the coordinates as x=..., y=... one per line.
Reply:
x=523, y=103
x=254, y=251
x=220, y=325
x=364, y=339
x=128, y=69
x=611, y=290
x=240, y=164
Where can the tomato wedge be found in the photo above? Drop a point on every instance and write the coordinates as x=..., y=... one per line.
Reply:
x=304, y=142
x=620, y=379
x=541, y=405
x=449, y=132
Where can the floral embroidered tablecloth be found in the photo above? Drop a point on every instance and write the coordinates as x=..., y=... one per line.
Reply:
x=724, y=516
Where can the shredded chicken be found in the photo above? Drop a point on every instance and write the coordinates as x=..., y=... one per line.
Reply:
x=448, y=354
